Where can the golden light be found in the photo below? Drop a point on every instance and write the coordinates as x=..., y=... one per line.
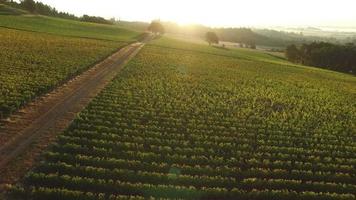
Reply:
x=219, y=12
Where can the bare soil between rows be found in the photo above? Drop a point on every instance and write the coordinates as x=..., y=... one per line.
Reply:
x=30, y=130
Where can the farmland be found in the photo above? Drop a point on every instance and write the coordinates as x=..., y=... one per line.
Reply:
x=33, y=64
x=66, y=27
x=197, y=122
x=39, y=53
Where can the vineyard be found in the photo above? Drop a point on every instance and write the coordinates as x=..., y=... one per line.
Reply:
x=66, y=27
x=245, y=54
x=187, y=124
x=32, y=64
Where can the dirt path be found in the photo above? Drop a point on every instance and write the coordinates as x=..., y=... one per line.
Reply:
x=30, y=130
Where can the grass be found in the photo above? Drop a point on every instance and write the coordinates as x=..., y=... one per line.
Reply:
x=65, y=27
x=195, y=122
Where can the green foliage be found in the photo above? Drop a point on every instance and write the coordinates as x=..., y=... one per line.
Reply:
x=34, y=7
x=292, y=53
x=325, y=55
x=7, y=10
x=183, y=122
x=100, y=20
x=33, y=64
x=211, y=38
x=29, y=5
x=68, y=27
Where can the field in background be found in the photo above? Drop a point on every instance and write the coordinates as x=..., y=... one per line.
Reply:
x=190, y=121
x=66, y=27
x=229, y=45
x=241, y=53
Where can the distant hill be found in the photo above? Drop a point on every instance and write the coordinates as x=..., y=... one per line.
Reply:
x=271, y=39
x=262, y=37
x=239, y=35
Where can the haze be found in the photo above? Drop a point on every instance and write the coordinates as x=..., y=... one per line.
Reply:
x=221, y=13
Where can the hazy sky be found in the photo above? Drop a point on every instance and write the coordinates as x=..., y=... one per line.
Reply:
x=220, y=12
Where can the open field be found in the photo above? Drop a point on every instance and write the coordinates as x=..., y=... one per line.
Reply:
x=196, y=122
x=67, y=27
x=33, y=64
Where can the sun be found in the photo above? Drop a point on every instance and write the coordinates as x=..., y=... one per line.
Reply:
x=222, y=13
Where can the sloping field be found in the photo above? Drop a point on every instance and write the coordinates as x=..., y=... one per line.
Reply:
x=67, y=27
x=246, y=54
x=182, y=123
x=34, y=63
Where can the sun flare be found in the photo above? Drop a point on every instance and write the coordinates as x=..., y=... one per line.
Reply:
x=219, y=13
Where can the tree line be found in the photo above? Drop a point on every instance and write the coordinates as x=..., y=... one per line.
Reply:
x=95, y=19
x=324, y=55
x=43, y=9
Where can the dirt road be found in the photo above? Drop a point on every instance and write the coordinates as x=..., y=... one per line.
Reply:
x=30, y=130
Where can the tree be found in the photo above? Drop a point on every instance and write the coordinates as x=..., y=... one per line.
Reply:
x=29, y=5
x=251, y=44
x=325, y=55
x=156, y=27
x=292, y=53
x=211, y=38
x=43, y=9
x=94, y=19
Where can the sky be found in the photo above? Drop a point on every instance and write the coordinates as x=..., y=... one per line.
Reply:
x=220, y=13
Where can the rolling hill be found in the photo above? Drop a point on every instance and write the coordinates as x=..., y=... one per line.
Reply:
x=181, y=120
x=64, y=27
x=195, y=122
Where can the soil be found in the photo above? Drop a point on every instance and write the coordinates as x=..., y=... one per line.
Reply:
x=29, y=131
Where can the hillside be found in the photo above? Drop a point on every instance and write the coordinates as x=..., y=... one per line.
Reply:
x=196, y=122
x=39, y=53
x=236, y=35
x=241, y=53
x=66, y=27
x=93, y=108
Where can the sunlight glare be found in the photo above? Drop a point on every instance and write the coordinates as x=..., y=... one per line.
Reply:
x=219, y=13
